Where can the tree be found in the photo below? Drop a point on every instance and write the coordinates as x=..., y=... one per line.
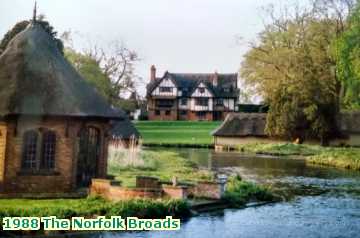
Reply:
x=117, y=64
x=111, y=73
x=90, y=70
x=20, y=26
x=347, y=53
x=291, y=68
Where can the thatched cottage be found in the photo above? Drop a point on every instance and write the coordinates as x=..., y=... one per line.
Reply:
x=244, y=128
x=241, y=128
x=53, y=124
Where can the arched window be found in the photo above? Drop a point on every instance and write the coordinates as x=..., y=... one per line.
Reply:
x=48, y=150
x=29, y=150
x=39, y=150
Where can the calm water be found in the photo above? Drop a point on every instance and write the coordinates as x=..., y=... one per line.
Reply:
x=325, y=202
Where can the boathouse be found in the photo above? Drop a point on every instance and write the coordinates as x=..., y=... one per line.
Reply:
x=245, y=128
x=124, y=134
x=54, y=126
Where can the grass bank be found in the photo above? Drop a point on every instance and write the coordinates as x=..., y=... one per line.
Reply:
x=281, y=149
x=177, y=133
x=161, y=164
x=348, y=158
x=165, y=165
x=91, y=207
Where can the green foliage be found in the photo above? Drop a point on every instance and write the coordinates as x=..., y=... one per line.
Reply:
x=239, y=192
x=164, y=165
x=281, y=149
x=127, y=105
x=20, y=26
x=292, y=69
x=177, y=132
x=348, y=158
x=92, y=206
x=90, y=70
x=347, y=53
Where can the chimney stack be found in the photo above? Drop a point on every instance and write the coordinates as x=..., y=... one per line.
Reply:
x=152, y=73
x=216, y=79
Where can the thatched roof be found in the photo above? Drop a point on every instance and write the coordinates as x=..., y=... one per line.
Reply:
x=242, y=124
x=124, y=130
x=35, y=79
x=253, y=124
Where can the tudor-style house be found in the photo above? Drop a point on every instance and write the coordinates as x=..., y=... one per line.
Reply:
x=192, y=97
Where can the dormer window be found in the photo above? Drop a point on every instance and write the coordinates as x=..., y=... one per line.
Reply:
x=166, y=89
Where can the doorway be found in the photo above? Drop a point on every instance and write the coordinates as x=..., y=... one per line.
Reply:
x=88, y=156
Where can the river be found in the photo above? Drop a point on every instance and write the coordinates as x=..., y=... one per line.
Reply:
x=325, y=202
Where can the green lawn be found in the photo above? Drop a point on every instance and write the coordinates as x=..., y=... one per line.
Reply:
x=162, y=164
x=176, y=132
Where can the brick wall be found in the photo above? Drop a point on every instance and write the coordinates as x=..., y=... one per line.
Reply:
x=3, y=132
x=194, y=117
x=162, y=117
x=105, y=189
x=175, y=192
x=206, y=190
x=63, y=179
x=147, y=182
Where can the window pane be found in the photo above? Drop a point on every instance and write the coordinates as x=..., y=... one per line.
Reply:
x=49, y=146
x=29, y=150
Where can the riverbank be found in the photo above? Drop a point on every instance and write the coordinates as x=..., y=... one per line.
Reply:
x=162, y=164
x=166, y=165
x=177, y=133
x=348, y=158
x=281, y=149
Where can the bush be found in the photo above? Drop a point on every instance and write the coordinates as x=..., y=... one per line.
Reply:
x=239, y=192
x=281, y=148
x=348, y=158
x=94, y=206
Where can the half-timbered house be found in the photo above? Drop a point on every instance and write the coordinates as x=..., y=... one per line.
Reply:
x=194, y=97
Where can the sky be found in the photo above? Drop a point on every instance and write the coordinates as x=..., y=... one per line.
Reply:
x=184, y=36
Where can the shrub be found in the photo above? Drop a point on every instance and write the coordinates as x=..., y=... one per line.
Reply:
x=239, y=192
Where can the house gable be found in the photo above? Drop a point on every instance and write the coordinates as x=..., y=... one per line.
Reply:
x=202, y=91
x=166, y=87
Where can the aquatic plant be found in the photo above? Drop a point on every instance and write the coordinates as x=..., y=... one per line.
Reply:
x=239, y=192
x=348, y=158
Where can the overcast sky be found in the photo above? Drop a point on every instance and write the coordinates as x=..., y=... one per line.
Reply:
x=189, y=36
